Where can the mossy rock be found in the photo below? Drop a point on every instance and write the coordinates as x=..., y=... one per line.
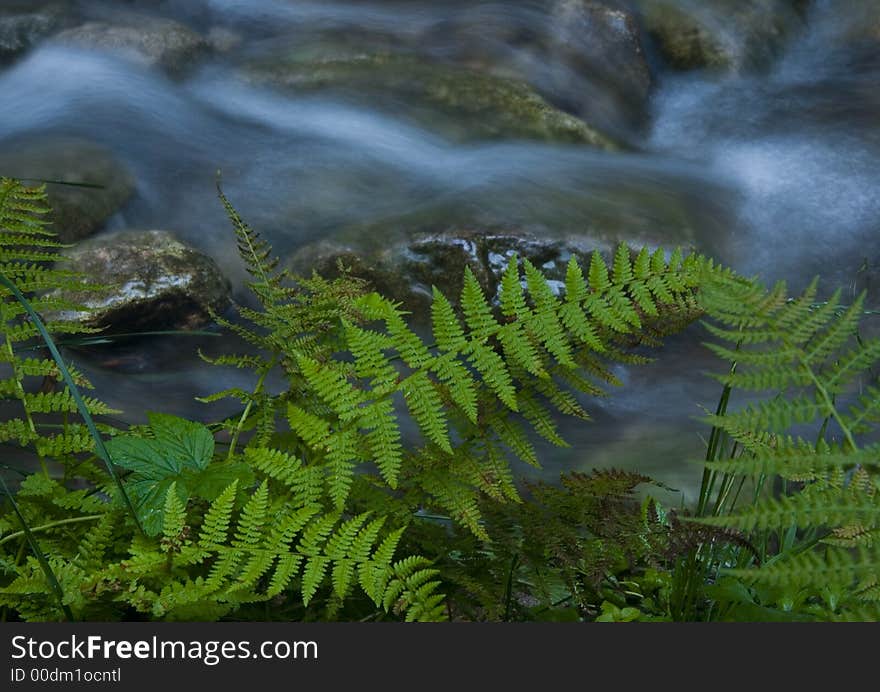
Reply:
x=77, y=212
x=584, y=56
x=720, y=35
x=150, y=41
x=459, y=103
x=24, y=23
x=146, y=280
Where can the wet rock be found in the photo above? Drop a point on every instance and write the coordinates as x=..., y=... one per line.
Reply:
x=460, y=103
x=77, y=212
x=24, y=23
x=404, y=255
x=150, y=41
x=602, y=42
x=403, y=271
x=585, y=56
x=722, y=35
x=407, y=270
x=148, y=280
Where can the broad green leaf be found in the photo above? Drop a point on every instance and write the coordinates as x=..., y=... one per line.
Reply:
x=149, y=496
x=147, y=458
x=188, y=441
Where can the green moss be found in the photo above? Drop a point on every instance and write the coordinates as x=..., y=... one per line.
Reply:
x=720, y=34
x=458, y=102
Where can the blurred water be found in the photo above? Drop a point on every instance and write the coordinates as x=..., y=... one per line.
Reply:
x=774, y=173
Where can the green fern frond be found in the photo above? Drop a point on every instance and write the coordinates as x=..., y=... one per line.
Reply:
x=304, y=482
x=830, y=566
x=804, y=510
x=174, y=517
x=816, y=370
x=796, y=459
x=426, y=407
x=490, y=366
x=256, y=253
x=27, y=253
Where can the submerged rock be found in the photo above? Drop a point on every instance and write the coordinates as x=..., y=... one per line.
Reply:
x=460, y=103
x=23, y=23
x=150, y=41
x=723, y=35
x=147, y=280
x=77, y=212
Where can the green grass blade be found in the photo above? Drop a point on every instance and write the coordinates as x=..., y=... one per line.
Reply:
x=68, y=183
x=100, y=448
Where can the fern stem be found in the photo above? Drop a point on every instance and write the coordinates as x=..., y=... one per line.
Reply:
x=100, y=448
x=829, y=402
x=50, y=525
x=742, y=482
x=247, y=409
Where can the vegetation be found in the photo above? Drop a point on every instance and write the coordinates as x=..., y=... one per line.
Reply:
x=379, y=482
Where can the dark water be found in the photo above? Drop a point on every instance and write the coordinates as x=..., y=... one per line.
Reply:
x=778, y=171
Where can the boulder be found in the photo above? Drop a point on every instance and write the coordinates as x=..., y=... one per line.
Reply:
x=460, y=103
x=721, y=35
x=406, y=270
x=584, y=56
x=77, y=212
x=602, y=43
x=24, y=23
x=150, y=41
x=147, y=280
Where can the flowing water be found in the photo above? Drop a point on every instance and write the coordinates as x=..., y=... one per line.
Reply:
x=778, y=170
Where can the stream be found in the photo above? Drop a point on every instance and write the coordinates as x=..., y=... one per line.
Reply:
x=772, y=170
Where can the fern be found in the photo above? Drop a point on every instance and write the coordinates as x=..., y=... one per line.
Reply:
x=320, y=501
x=237, y=557
x=560, y=552
x=208, y=552
x=355, y=368
x=27, y=253
x=814, y=370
